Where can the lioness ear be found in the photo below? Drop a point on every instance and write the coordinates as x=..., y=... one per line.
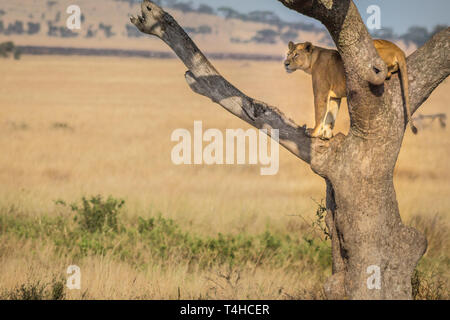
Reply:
x=291, y=45
x=308, y=46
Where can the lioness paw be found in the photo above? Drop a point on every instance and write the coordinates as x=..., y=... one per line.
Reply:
x=327, y=133
x=313, y=133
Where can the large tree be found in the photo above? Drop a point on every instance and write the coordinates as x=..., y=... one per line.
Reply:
x=363, y=217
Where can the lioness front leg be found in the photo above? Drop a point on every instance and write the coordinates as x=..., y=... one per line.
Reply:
x=330, y=117
x=320, y=111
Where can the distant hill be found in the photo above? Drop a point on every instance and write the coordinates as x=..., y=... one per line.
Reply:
x=105, y=25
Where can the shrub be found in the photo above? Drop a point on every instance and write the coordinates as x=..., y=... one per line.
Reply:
x=96, y=214
x=37, y=290
x=161, y=239
x=8, y=48
x=427, y=286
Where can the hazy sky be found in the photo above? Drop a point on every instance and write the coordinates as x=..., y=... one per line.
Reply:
x=397, y=14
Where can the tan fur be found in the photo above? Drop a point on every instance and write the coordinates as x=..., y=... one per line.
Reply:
x=328, y=78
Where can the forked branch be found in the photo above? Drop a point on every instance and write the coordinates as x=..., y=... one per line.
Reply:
x=205, y=80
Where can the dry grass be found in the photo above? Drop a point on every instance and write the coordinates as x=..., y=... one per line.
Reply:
x=82, y=126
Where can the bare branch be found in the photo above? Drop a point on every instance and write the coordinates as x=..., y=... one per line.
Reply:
x=205, y=80
x=428, y=67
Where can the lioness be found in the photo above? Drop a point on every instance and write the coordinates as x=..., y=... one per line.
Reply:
x=328, y=78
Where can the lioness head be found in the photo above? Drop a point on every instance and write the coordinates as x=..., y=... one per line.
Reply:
x=298, y=57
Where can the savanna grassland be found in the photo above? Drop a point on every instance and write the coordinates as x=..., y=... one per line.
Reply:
x=86, y=178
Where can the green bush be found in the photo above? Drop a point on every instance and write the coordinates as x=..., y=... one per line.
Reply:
x=95, y=230
x=54, y=290
x=96, y=214
x=8, y=48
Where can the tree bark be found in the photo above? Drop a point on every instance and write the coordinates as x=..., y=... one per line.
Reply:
x=363, y=218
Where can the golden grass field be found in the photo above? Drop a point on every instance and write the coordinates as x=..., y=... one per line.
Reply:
x=79, y=126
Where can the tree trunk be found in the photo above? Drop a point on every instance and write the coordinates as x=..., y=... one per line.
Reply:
x=373, y=253
x=366, y=230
